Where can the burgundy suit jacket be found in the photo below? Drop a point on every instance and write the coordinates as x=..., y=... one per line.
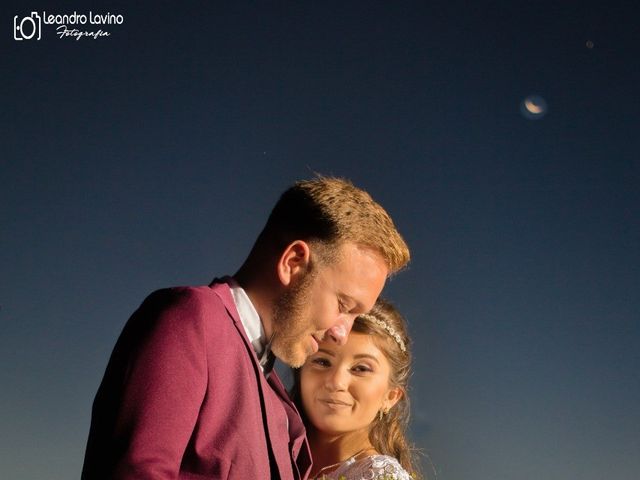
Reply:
x=183, y=397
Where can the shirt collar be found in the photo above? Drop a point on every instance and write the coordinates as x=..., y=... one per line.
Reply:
x=252, y=324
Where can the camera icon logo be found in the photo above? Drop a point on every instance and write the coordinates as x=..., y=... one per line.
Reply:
x=28, y=27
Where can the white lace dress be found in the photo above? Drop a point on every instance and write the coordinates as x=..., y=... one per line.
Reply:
x=374, y=467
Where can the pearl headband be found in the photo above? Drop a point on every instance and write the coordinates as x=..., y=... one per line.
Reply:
x=390, y=330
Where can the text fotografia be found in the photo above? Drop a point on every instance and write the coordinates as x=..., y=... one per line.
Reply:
x=63, y=31
x=82, y=19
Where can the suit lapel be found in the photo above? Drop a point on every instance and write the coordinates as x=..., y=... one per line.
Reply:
x=269, y=401
x=298, y=444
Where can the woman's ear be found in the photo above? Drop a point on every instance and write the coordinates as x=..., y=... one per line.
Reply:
x=393, y=396
x=293, y=262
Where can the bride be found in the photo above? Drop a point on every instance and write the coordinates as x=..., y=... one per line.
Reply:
x=354, y=401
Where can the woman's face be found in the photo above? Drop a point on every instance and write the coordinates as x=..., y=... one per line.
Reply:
x=344, y=387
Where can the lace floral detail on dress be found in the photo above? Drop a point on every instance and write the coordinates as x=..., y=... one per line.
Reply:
x=375, y=467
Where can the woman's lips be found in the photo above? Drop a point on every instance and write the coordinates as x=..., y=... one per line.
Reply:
x=335, y=403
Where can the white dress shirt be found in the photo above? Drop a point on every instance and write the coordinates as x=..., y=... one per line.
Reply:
x=250, y=321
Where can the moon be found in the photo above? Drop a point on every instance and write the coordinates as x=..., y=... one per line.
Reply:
x=533, y=107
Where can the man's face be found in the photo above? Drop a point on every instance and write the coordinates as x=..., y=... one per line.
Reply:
x=325, y=302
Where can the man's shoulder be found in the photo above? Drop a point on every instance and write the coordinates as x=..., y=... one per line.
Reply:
x=185, y=297
x=184, y=304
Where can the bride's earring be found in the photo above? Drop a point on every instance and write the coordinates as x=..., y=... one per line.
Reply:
x=381, y=413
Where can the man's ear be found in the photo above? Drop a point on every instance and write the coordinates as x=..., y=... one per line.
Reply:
x=293, y=261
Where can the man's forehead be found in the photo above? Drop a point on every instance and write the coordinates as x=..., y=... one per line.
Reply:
x=358, y=259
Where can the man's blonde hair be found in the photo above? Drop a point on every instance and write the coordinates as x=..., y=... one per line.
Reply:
x=327, y=212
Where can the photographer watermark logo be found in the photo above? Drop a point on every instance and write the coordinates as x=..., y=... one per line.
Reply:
x=28, y=27
x=69, y=25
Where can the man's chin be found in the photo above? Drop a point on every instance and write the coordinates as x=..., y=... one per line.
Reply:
x=294, y=361
x=295, y=358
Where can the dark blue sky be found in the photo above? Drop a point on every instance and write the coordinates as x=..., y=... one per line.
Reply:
x=152, y=157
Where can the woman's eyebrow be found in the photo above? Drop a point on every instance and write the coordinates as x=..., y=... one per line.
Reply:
x=367, y=355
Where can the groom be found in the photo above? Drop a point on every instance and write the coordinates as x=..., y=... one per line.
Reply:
x=189, y=393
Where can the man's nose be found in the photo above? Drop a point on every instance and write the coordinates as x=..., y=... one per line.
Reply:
x=340, y=331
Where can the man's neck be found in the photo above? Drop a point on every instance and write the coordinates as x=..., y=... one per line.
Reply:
x=260, y=300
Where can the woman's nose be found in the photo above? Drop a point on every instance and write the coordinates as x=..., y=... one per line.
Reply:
x=337, y=379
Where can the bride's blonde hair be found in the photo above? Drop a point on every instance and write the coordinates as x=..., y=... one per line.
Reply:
x=388, y=432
